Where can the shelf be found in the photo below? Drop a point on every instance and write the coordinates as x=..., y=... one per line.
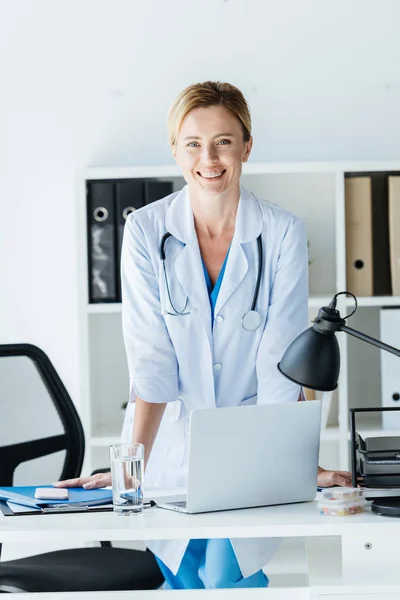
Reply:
x=297, y=187
x=105, y=308
x=374, y=301
x=248, y=169
x=318, y=301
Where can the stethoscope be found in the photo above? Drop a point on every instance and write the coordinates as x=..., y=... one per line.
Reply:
x=251, y=320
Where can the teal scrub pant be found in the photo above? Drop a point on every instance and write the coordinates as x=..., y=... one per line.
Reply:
x=210, y=564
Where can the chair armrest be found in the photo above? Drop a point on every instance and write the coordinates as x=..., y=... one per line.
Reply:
x=107, y=470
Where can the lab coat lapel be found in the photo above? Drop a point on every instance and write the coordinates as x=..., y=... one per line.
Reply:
x=235, y=270
x=188, y=264
x=190, y=274
x=247, y=228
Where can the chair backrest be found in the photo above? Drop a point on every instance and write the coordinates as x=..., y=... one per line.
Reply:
x=41, y=435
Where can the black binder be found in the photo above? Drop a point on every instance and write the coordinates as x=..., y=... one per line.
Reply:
x=155, y=190
x=380, y=230
x=130, y=195
x=101, y=242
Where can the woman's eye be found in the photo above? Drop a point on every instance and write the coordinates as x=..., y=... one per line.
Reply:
x=224, y=142
x=193, y=144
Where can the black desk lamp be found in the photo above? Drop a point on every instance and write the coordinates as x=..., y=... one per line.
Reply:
x=313, y=360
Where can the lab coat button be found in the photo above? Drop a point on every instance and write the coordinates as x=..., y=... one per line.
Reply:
x=217, y=366
x=219, y=318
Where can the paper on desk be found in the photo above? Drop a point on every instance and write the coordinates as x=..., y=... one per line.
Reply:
x=19, y=508
x=380, y=492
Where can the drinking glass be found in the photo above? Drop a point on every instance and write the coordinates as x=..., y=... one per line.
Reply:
x=127, y=464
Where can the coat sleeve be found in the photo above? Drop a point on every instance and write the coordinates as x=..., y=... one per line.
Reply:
x=287, y=316
x=152, y=363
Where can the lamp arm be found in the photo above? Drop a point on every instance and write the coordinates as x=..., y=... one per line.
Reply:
x=369, y=340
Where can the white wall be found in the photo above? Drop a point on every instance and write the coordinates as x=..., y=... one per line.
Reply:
x=89, y=82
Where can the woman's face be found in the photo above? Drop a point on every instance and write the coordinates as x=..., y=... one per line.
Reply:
x=210, y=150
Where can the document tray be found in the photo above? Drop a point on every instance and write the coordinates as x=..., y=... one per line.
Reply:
x=378, y=461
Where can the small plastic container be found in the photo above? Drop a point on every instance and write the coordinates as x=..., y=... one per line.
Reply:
x=342, y=494
x=341, y=502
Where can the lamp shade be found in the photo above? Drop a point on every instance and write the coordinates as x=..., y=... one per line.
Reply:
x=312, y=360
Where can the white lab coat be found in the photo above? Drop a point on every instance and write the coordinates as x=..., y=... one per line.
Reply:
x=185, y=362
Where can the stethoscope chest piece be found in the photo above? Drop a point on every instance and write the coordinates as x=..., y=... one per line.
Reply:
x=251, y=320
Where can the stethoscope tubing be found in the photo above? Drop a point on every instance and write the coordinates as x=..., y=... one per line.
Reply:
x=176, y=312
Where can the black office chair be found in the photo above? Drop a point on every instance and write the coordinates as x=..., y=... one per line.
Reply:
x=42, y=440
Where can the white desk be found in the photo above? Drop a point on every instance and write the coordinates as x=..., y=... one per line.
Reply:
x=370, y=572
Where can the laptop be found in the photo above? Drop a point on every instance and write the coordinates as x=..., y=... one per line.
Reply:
x=249, y=456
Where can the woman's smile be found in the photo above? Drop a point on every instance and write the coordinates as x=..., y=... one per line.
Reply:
x=212, y=175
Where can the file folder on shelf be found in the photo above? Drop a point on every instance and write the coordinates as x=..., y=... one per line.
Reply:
x=390, y=372
x=367, y=235
x=394, y=233
x=101, y=242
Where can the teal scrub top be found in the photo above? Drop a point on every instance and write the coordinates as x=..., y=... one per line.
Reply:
x=214, y=291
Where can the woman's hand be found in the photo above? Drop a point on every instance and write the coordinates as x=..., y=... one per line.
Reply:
x=330, y=478
x=94, y=481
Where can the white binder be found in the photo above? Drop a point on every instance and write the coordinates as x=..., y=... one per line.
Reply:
x=390, y=367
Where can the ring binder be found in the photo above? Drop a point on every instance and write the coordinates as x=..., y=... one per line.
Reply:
x=101, y=242
x=129, y=196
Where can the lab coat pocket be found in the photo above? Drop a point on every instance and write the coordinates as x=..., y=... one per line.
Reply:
x=249, y=401
x=174, y=410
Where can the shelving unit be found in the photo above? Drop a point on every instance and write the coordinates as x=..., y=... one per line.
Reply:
x=315, y=192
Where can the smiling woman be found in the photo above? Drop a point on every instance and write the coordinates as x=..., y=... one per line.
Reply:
x=194, y=264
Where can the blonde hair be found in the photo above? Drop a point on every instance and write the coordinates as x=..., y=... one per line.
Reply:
x=203, y=95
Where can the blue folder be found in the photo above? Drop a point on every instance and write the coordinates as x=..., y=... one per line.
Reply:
x=79, y=497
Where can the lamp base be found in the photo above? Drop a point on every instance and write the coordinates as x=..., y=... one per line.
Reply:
x=387, y=507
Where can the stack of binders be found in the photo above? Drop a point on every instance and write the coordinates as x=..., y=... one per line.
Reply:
x=109, y=202
x=390, y=375
x=372, y=203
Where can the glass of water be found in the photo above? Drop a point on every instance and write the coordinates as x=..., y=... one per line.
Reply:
x=127, y=463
